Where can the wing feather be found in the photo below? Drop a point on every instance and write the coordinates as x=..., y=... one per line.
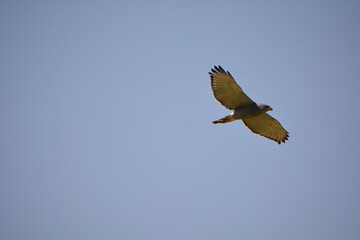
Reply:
x=268, y=127
x=226, y=91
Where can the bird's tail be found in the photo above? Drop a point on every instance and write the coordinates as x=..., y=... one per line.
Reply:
x=226, y=119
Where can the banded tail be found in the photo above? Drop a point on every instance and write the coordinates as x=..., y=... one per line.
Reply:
x=226, y=119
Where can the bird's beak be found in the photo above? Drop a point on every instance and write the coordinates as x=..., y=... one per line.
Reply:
x=271, y=109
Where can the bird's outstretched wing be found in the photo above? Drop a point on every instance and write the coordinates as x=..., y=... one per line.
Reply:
x=226, y=90
x=268, y=127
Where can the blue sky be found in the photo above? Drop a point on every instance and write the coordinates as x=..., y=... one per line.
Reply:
x=106, y=111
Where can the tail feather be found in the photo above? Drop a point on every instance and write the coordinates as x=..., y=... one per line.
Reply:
x=226, y=119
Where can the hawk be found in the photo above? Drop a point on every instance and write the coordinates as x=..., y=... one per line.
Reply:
x=229, y=94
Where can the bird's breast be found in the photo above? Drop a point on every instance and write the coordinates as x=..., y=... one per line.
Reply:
x=246, y=111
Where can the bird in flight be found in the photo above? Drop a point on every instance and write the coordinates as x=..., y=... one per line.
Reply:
x=229, y=94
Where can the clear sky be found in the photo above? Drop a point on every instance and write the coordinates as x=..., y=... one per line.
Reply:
x=106, y=111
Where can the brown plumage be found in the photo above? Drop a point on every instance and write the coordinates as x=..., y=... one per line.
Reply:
x=229, y=94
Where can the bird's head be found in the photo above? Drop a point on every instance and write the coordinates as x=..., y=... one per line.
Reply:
x=264, y=107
